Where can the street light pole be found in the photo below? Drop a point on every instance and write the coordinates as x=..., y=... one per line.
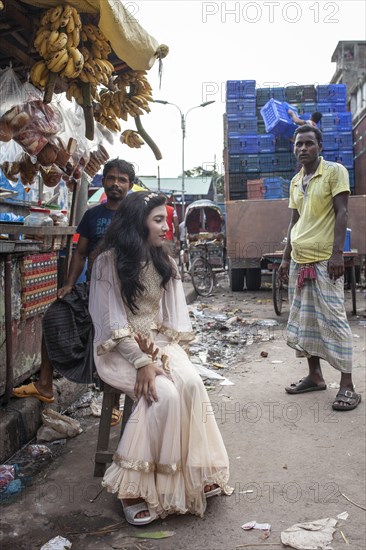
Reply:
x=183, y=119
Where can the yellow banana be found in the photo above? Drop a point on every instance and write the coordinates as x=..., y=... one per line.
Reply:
x=37, y=71
x=45, y=19
x=43, y=48
x=76, y=37
x=70, y=25
x=55, y=13
x=53, y=37
x=69, y=69
x=85, y=52
x=83, y=35
x=42, y=33
x=58, y=61
x=89, y=31
x=96, y=51
x=76, y=17
x=77, y=57
x=59, y=44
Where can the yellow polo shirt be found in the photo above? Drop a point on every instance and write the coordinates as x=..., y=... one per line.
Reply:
x=312, y=236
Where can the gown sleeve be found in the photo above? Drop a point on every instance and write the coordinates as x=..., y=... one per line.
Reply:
x=106, y=307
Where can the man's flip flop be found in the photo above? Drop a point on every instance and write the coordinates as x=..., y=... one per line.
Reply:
x=116, y=417
x=30, y=390
x=350, y=399
x=305, y=385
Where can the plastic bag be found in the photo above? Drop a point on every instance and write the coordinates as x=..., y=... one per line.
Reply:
x=67, y=427
x=10, y=90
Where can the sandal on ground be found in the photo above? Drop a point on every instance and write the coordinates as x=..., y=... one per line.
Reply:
x=305, y=385
x=351, y=400
x=116, y=417
x=30, y=390
x=213, y=492
x=131, y=511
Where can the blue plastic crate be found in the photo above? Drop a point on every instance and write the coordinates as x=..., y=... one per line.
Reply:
x=333, y=122
x=235, y=163
x=263, y=95
x=278, y=93
x=283, y=144
x=285, y=161
x=308, y=93
x=237, y=181
x=244, y=107
x=330, y=141
x=345, y=158
x=240, y=89
x=294, y=94
x=276, y=118
x=309, y=107
x=342, y=157
x=267, y=162
x=267, y=143
x=345, y=141
x=240, y=125
x=331, y=92
x=251, y=163
x=344, y=122
x=244, y=163
x=325, y=108
x=243, y=144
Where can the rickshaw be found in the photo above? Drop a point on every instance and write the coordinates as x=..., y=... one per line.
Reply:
x=205, y=244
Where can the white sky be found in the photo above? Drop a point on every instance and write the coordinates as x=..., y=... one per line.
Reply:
x=277, y=42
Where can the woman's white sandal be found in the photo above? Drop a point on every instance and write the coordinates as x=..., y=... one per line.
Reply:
x=131, y=511
x=213, y=492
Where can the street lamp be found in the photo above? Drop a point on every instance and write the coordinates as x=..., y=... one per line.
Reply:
x=183, y=119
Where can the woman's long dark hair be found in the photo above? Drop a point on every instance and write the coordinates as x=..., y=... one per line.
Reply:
x=127, y=235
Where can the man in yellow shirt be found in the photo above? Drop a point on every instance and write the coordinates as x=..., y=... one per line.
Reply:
x=313, y=267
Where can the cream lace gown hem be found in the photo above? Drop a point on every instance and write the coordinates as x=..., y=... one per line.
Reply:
x=171, y=449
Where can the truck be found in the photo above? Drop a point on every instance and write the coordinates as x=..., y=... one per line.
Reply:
x=256, y=227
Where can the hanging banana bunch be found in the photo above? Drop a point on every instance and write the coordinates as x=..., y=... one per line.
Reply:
x=132, y=139
x=57, y=41
x=95, y=50
x=137, y=98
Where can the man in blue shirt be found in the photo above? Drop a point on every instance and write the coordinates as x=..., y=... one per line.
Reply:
x=118, y=177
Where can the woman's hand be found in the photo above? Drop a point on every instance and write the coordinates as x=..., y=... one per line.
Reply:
x=145, y=382
x=146, y=346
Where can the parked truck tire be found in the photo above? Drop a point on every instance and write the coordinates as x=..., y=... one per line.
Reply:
x=253, y=278
x=236, y=277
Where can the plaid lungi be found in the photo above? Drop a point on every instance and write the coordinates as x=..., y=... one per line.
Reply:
x=317, y=322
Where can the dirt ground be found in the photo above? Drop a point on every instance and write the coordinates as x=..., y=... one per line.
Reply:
x=298, y=457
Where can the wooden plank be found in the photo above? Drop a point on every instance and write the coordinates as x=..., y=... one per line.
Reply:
x=15, y=11
x=7, y=48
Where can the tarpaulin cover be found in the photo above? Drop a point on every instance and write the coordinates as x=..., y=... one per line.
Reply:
x=130, y=42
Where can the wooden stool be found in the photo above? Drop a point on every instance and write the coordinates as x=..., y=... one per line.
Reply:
x=103, y=455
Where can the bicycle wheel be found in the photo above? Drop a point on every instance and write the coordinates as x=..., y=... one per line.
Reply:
x=277, y=291
x=202, y=276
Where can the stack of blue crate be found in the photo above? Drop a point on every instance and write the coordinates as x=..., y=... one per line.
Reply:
x=336, y=126
x=276, y=188
x=242, y=135
x=254, y=154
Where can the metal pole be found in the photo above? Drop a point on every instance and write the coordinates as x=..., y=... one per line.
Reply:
x=183, y=126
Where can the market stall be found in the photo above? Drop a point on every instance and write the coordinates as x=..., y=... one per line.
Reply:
x=73, y=81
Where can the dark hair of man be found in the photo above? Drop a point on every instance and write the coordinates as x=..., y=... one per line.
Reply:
x=122, y=166
x=127, y=235
x=309, y=128
x=316, y=117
